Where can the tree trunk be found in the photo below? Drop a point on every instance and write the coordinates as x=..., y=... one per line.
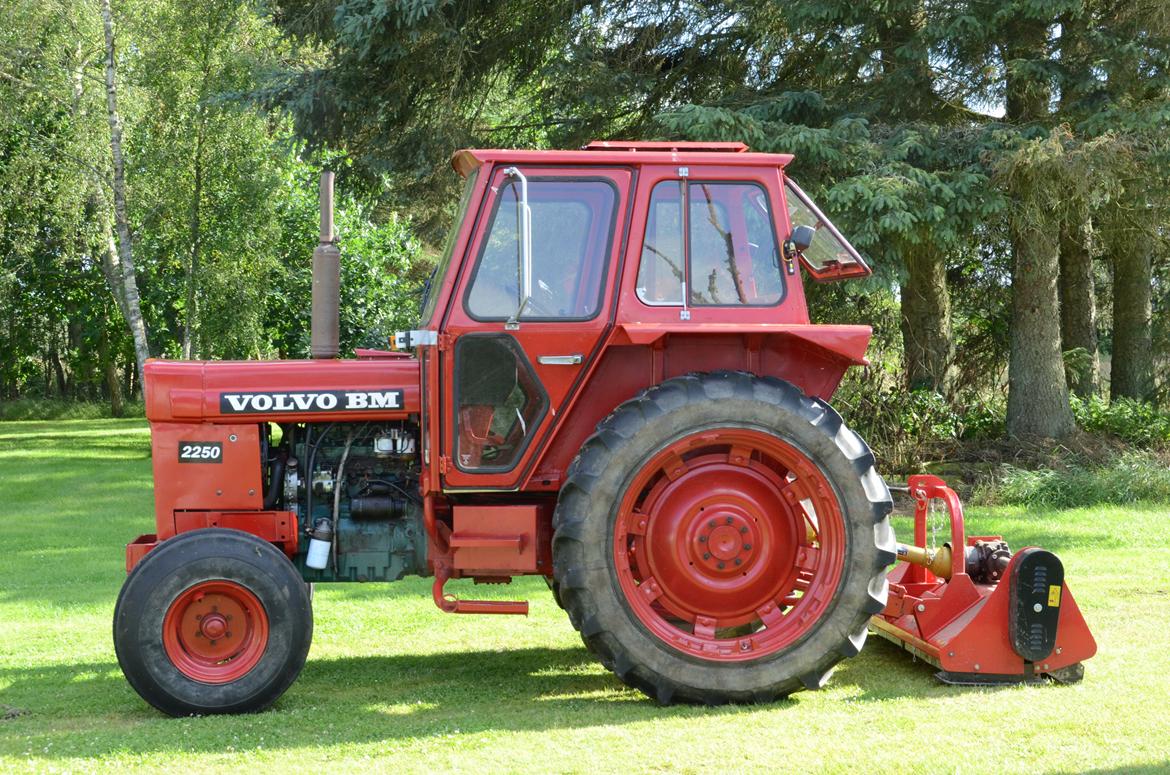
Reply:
x=1037, y=391
x=1078, y=309
x=110, y=367
x=133, y=305
x=926, y=322
x=58, y=373
x=1131, y=374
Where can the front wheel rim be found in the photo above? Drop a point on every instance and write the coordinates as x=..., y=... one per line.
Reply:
x=215, y=632
x=729, y=544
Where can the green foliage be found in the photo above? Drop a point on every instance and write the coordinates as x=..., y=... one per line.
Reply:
x=222, y=202
x=1133, y=421
x=909, y=428
x=383, y=267
x=1133, y=477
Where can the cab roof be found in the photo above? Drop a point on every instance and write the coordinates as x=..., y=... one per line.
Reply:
x=621, y=152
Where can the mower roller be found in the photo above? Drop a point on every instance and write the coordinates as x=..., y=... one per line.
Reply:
x=615, y=385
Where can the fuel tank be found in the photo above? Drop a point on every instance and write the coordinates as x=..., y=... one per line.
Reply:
x=379, y=386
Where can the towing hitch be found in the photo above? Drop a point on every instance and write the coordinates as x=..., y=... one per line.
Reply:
x=975, y=610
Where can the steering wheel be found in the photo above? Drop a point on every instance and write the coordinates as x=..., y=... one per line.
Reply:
x=541, y=303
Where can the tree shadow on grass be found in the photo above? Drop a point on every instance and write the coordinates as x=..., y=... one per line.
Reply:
x=376, y=699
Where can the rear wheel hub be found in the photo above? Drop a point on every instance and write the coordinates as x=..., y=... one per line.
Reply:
x=729, y=544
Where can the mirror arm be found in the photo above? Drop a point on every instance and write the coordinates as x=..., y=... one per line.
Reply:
x=525, y=248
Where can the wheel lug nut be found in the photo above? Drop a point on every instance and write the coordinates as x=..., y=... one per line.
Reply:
x=228, y=634
x=702, y=539
x=706, y=555
x=711, y=523
x=721, y=566
x=730, y=520
x=198, y=617
x=738, y=561
x=747, y=547
x=743, y=530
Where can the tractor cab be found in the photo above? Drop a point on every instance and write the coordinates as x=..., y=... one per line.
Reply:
x=556, y=257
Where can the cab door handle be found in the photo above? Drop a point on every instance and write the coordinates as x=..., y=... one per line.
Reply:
x=559, y=360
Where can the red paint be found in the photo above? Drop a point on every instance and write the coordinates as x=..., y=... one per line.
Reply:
x=189, y=391
x=137, y=549
x=720, y=540
x=231, y=485
x=277, y=527
x=494, y=540
x=961, y=626
x=215, y=632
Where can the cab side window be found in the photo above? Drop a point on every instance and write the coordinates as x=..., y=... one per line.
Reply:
x=724, y=254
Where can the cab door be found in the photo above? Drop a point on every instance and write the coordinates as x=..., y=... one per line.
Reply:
x=512, y=365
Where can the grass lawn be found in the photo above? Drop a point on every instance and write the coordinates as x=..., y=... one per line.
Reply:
x=394, y=685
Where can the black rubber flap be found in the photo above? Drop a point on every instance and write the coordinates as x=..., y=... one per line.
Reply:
x=1036, y=582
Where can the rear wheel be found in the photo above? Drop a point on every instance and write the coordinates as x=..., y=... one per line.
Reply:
x=723, y=538
x=213, y=621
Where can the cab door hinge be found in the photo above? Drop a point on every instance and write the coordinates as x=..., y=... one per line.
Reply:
x=444, y=464
x=408, y=340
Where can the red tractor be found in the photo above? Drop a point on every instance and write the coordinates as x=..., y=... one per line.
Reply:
x=614, y=385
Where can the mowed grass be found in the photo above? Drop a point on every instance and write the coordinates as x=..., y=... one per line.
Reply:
x=394, y=685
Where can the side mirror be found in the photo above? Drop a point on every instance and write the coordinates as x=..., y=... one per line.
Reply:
x=802, y=237
x=524, y=222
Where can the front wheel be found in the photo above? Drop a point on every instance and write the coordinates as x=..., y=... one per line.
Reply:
x=213, y=621
x=723, y=538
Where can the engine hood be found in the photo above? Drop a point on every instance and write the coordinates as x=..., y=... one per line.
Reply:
x=384, y=388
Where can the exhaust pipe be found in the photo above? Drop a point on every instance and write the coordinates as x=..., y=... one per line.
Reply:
x=326, y=280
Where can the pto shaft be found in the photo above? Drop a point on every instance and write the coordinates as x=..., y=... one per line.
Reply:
x=937, y=561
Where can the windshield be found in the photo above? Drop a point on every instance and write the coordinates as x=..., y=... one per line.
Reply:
x=829, y=256
x=430, y=297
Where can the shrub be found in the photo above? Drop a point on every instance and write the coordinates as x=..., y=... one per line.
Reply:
x=1129, y=420
x=907, y=428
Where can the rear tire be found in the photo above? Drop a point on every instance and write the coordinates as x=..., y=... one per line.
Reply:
x=213, y=621
x=722, y=538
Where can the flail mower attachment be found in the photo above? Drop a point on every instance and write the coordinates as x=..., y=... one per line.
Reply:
x=982, y=615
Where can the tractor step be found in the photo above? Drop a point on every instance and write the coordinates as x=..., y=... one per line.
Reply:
x=454, y=605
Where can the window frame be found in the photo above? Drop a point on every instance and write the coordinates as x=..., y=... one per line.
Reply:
x=602, y=271
x=685, y=217
x=430, y=306
x=839, y=271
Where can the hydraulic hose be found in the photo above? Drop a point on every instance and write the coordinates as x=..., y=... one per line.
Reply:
x=274, y=482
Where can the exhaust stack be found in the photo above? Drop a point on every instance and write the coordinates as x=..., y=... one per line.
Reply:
x=326, y=279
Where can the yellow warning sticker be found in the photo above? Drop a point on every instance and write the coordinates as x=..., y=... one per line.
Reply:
x=1053, y=596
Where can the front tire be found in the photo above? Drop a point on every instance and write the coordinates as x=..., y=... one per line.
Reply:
x=723, y=538
x=213, y=621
